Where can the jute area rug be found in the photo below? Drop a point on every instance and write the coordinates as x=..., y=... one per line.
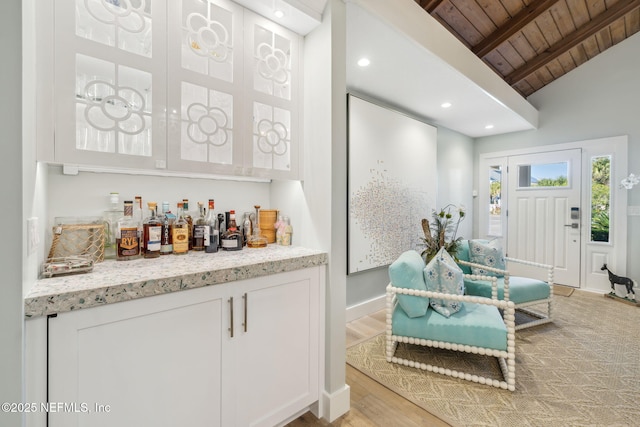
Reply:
x=581, y=370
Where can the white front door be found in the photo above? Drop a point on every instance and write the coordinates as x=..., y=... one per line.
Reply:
x=544, y=212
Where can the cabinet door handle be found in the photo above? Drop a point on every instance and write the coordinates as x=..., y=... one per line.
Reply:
x=231, y=316
x=245, y=297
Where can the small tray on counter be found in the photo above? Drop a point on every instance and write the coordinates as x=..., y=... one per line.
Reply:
x=67, y=265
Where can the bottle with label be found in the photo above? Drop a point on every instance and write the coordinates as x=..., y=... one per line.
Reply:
x=166, y=240
x=199, y=229
x=111, y=218
x=180, y=233
x=127, y=240
x=212, y=233
x=152, y=233
x=232, y=238
x=246, y=227
x=189, y=219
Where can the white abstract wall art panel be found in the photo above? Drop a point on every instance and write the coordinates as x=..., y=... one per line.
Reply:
x=392, y=183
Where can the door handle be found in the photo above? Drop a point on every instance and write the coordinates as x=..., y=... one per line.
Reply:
x=574, y=225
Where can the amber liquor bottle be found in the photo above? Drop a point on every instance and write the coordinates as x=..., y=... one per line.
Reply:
x=180, y=233
x=199, y=229
x=127, y=238
x=232, y=238
x=152, y=233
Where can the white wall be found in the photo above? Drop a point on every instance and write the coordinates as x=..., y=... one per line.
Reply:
x=87, y=194
x=596, y=100
x=12, y=251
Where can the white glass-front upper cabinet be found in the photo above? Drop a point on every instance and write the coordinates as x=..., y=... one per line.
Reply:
x=110, y=83
x=233, y=91
x=183, y=85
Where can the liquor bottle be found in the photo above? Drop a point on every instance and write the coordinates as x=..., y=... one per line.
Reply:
x=232, y=239
x=138, y=215
x=152, y=233
x=180, y=233
x=189, y=218
x=111, y=218
x=221, y=228
x=199, y=229
x=127, y=240
x=166, y=241
x=212, y=233
x=246, y=227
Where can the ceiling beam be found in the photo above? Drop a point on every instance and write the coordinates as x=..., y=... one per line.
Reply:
x=600, y=22
x=512, y=26
x=429, y=5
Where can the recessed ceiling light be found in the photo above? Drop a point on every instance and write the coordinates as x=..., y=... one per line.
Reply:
x=364, y=62
x=488, y=127
x=278, y=13
x=446, y=105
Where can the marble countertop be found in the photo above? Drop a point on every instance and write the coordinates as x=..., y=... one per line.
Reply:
x=116, y=281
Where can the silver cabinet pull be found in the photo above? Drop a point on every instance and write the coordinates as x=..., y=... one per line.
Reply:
x=231, y=316
x=245, y=297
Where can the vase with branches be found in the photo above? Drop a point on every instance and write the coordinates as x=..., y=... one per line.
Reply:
x=442, y=231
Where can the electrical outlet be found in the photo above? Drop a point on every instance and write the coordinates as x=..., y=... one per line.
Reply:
x=633, y=210
x=33, y=239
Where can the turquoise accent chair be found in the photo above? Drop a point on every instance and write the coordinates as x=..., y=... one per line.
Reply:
x=524, y=292
x=478, y=327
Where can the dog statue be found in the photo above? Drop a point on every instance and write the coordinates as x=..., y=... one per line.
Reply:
x=628, y=283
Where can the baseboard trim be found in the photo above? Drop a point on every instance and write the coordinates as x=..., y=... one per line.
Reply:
x=336, y=404
x=365, y=308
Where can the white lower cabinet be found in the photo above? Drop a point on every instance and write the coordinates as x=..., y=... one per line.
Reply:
x=245, y=353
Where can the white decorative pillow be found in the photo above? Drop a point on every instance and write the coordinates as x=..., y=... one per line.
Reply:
x=486, y=253
x=443, y=275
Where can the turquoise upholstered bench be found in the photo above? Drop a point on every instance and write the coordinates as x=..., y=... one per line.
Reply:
x=525, y=292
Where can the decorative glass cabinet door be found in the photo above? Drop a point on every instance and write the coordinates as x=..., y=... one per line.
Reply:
x=109, y=82
x=232, y=91
x=205, y=86
x=273, y=89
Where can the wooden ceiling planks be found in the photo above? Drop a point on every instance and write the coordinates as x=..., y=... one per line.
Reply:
x=530, y=43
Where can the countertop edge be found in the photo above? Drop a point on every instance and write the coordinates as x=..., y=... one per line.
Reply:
x=66, y=301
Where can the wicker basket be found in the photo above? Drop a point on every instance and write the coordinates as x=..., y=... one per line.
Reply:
x=78, y=239
x=268, y=219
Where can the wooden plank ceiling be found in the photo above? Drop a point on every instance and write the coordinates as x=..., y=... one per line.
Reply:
x=530, y=43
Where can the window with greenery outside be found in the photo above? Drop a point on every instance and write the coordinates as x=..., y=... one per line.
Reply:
x=600, y=198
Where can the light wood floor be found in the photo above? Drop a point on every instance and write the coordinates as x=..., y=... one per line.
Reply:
x=372, y=404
